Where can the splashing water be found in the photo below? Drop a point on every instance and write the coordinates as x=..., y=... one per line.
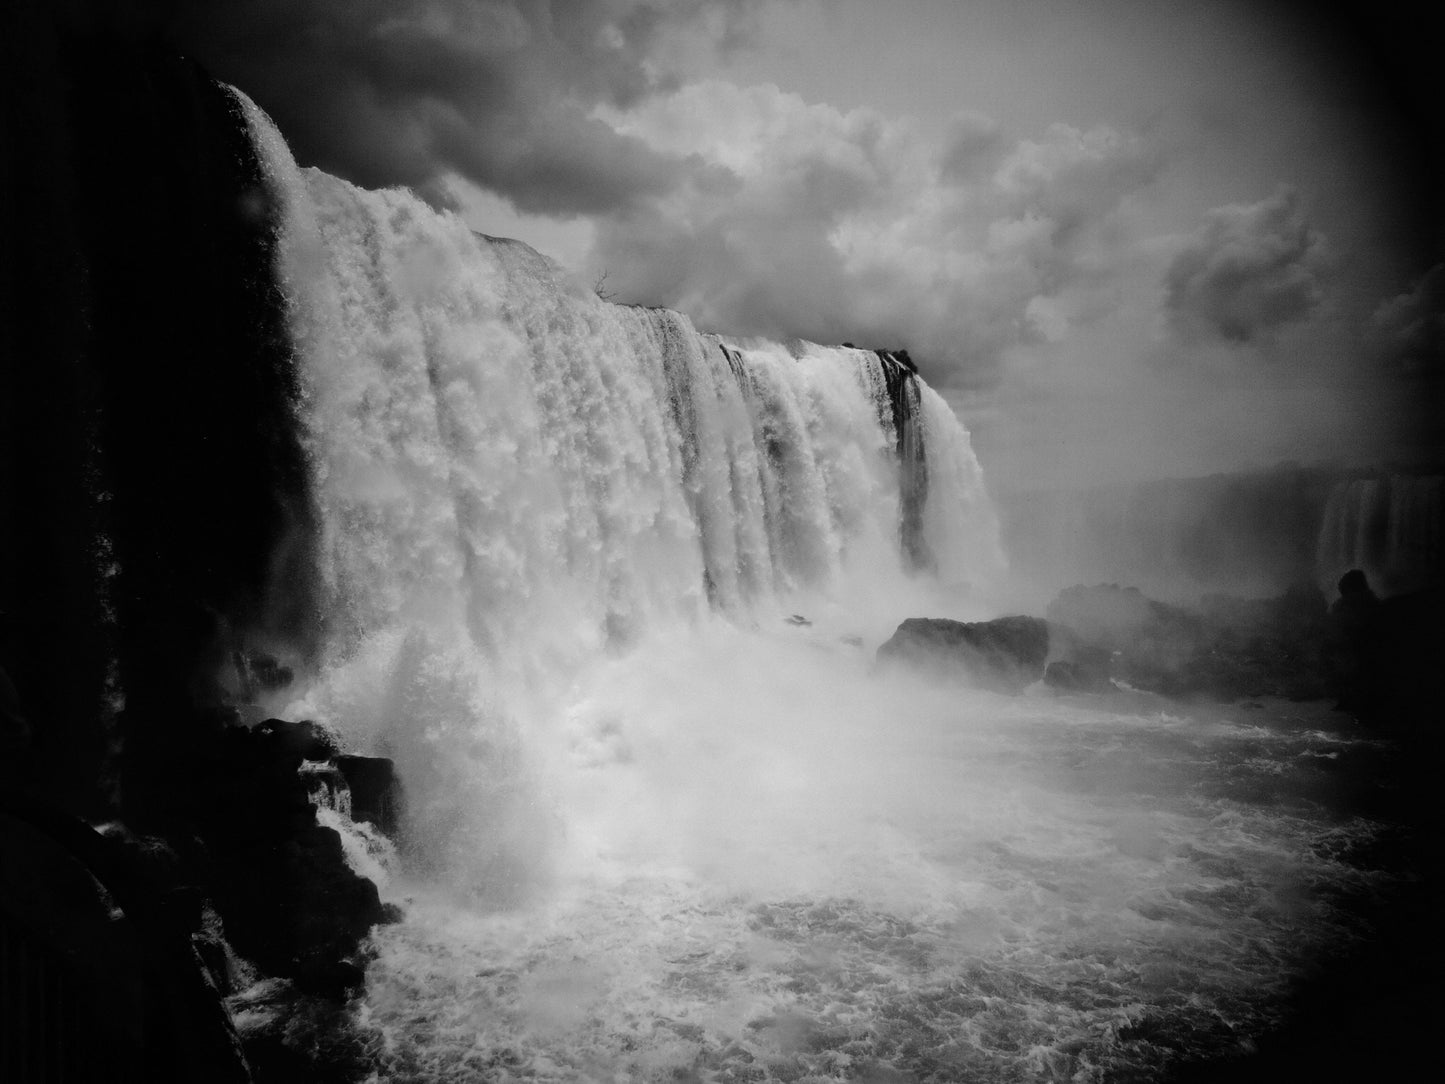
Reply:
x=655, y=831
x=1393, y=528
x=780, y=867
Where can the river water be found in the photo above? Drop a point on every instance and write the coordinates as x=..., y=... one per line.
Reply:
x=768, y=861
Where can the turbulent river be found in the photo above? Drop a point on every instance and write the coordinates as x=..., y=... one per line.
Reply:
x=772, y=864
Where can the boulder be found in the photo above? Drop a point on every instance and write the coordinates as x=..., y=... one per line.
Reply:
x=1107, y=615
x=1382, y=657
x=295, y=908
x=375, y=791
x=280, y=882
x=1086, y=669
x=326, y=787
x=100, y=929
x=1224, y=648
x=1005, y=654
x=305, y=740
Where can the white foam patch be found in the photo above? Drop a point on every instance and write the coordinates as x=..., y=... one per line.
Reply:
x=780, y=865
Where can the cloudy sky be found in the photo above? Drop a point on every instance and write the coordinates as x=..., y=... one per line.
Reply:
x=1126, y=238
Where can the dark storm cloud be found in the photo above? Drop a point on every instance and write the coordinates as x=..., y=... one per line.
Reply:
x=404, y=92
x=1248, y=271
x=1409, y=330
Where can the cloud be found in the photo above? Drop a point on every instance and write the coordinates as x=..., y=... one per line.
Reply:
x=749, y=208
x=406, y=92
x=1408, y=331
x=799, y=219
x=1250, y=270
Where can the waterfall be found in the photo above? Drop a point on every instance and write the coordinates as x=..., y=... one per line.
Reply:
x=514, y=477
x=602, y=586
x=1391, y=526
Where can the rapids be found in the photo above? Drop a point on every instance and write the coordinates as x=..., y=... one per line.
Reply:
x=607, y=589
x=772, y=864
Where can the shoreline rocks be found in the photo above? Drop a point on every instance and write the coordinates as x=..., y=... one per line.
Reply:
x=1006, y=654
x=1375, y=657
x=1226, y=648
x=216, y=875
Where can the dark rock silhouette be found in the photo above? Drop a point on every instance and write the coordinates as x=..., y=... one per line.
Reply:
x=1005, y=654
x=1085, y=670
x=103, y=975
x=901, y=378
x=153, y=497
x=376, y=795
x=280, y=881
x=285, y=740
x=1225, y=648
x=1383, y=655
x=155, y=528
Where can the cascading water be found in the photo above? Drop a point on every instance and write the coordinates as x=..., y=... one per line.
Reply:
x=514, y=477
x=1393, y=527
x=657, y=832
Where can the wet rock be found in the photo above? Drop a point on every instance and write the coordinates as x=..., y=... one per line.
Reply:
x=279, y=881
x=267, y=674
x=295, y=908
x=1116, y=618
x=1005, y=654
x=1225, y=648
x=1089, y=674
x=306, y=740
x=1382, y=657
x=326, y=787
x=293, y=1037
x=99, y=929
x=375, y=791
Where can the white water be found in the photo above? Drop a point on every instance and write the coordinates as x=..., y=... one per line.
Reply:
x=655, y=831
x=1392, y=527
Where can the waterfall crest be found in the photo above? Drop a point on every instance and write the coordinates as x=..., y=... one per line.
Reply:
x=514, y=476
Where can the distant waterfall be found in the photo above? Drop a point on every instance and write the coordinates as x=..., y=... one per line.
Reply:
x=1393, y=527
x=514, y=476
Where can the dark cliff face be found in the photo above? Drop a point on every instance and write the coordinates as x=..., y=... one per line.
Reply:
x=153, y=507
x=901, y=377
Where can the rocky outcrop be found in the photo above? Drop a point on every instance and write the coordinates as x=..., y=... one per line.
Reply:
x=1382, y=657
x=122, y=948
x=1085, y=669
x=375, y=792
x=280, y=880
x=101, y=934
x=152, y=509
x=1005, y=654
x=1225, y=648
x=293, y=906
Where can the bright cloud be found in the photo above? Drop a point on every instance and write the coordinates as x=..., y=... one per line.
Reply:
x=800, y=219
